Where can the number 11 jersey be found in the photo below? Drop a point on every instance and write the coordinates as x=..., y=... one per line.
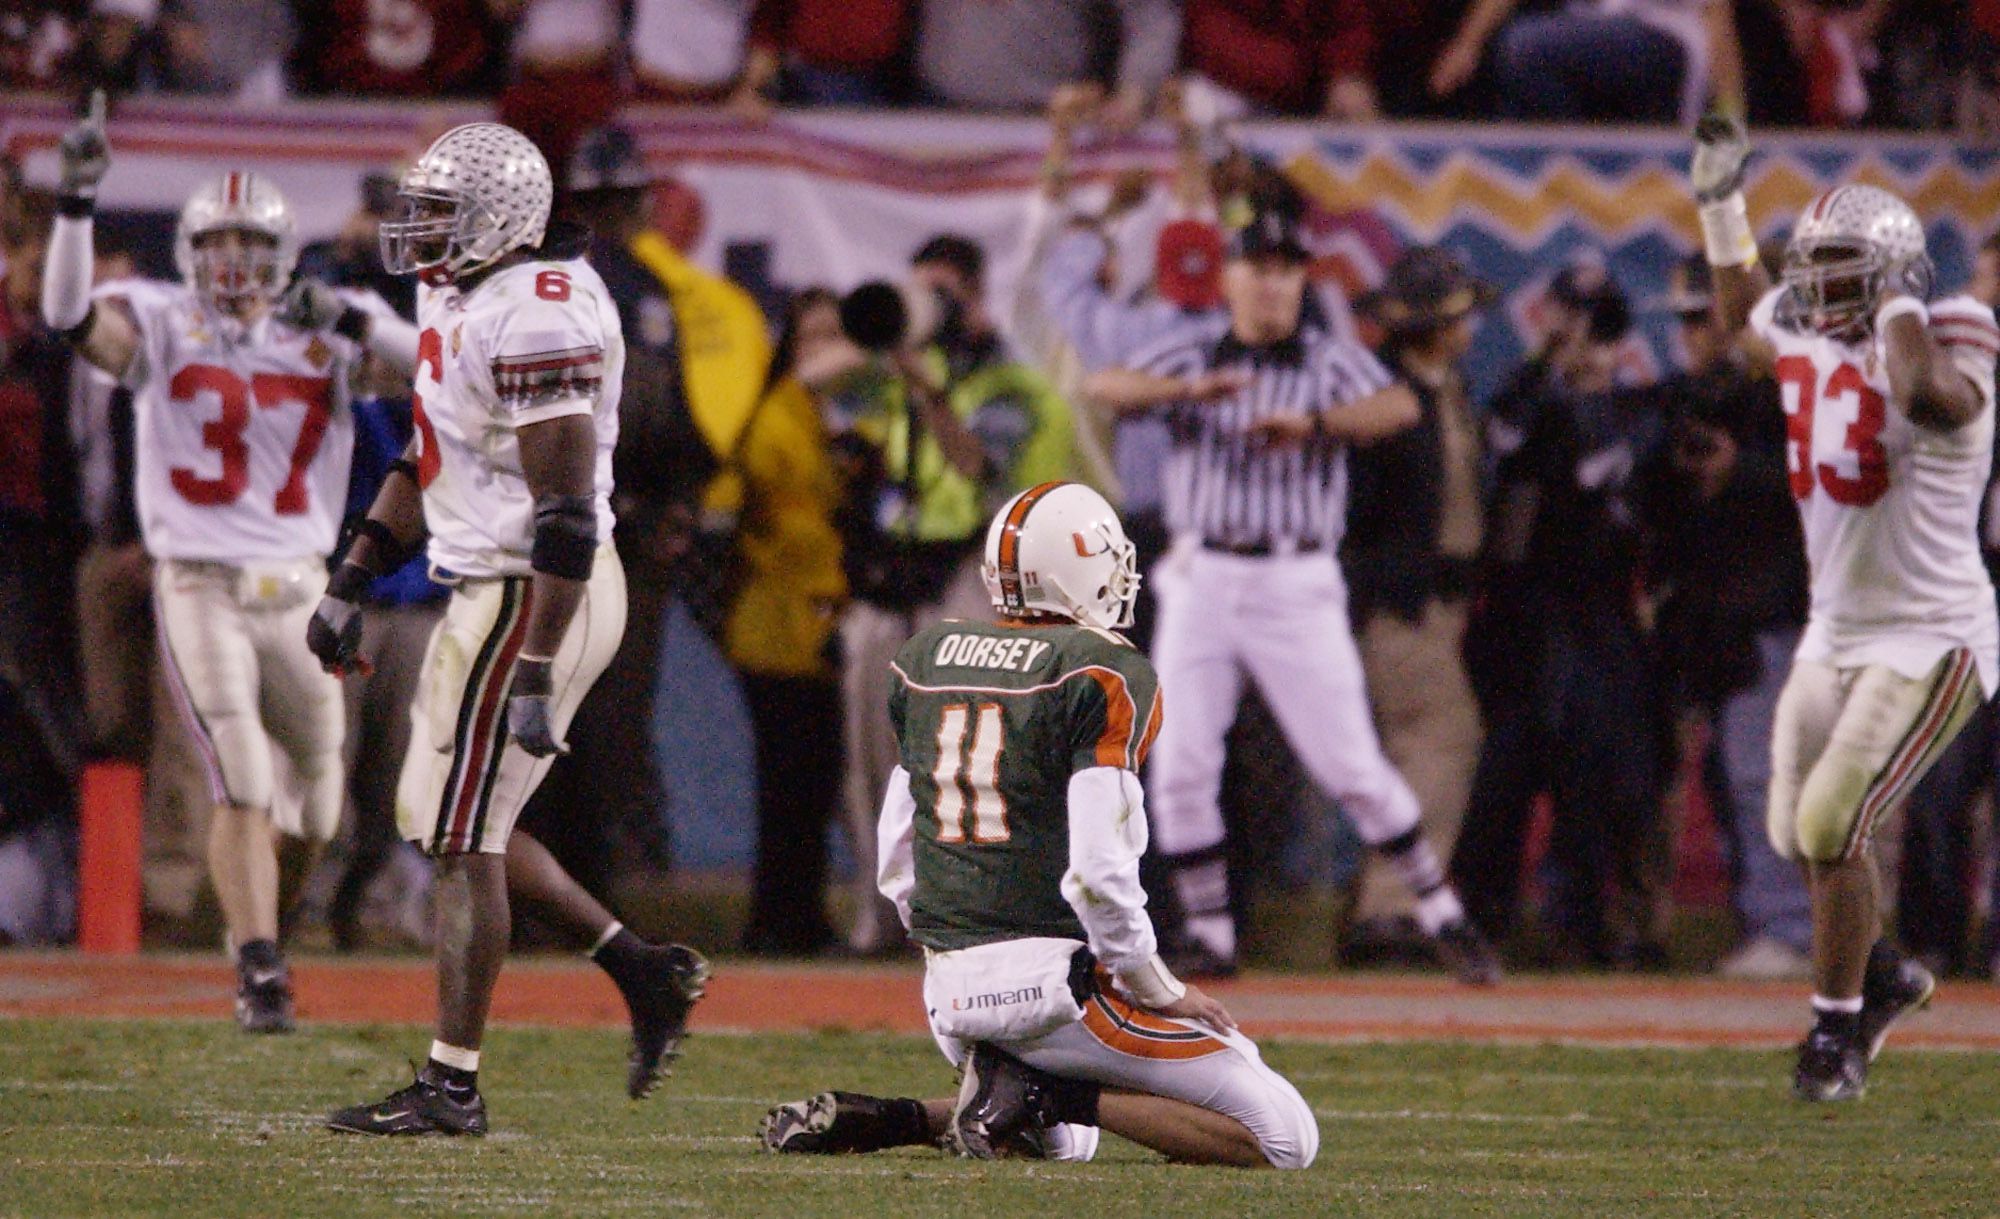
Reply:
x=1890, y=509
x=993, y=720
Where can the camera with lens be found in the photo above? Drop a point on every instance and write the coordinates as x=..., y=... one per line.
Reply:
x=881, y=316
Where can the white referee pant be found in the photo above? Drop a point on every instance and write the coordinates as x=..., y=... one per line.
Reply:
x=1282, y=620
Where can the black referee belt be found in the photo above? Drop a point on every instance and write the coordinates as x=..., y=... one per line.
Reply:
x=1264, y=549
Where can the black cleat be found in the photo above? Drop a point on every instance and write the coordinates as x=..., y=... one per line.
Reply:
x=833, y=1123
x=1003, y=1107
x=1885, y=999
x=264, y=998
x=1831, y=1067
x=1464, y=951
x=421, y=1108
x=673, y=980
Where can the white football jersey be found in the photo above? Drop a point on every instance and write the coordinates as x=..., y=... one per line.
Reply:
x=534, y=341
x=242, y=437
x=1891, y=509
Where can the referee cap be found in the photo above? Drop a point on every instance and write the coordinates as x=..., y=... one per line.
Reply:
x=1268, y=232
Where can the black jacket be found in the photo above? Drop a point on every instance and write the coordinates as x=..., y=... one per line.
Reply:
x=1395, y=496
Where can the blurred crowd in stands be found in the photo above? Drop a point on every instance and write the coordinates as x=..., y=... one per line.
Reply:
x=569, y=63
x=1578, y=596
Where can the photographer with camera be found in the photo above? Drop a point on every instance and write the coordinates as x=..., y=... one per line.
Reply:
x=945, y=425
x=1559, y=652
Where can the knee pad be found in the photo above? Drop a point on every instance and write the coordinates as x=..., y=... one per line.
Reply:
x=1291, y=1138
x=322, y=795
x=242, y=754
x=1828, y=810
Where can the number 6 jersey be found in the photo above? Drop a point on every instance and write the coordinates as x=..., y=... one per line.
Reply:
x=1890, y=509
x=243, y=436
x=534, y=341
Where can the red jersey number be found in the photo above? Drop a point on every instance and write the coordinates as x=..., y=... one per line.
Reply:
x=430, y=351
x=1799, y=383
x=552, y=286
x=268, y=391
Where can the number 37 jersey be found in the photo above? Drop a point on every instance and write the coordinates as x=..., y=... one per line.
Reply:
x=992, y=721
x=243, y=437
x=1890, y=509
x=531, y=342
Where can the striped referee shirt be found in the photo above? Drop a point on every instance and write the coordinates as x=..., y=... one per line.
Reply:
x=1228, y=488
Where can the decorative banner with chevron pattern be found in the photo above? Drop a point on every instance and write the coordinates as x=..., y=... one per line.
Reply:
x=1517, y=206
x=820, y=198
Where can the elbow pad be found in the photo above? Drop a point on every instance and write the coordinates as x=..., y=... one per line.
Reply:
x=565, y=536
x=66, y=274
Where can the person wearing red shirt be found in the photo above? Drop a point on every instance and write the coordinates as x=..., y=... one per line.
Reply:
x=824, y=52
x=1287, y=56
x=403, y=48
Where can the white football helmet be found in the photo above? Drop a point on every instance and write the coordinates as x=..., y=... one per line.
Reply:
x=1842, y=252
x=247, y=203
x=479, y=191
x=1059, y=549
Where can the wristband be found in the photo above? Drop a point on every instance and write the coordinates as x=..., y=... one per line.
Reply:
x=1726, y=232
x=1899, y=306
x=350, y=580
x=76, y=207
x=391, y=551
x=1152, y=984
x=352, y=324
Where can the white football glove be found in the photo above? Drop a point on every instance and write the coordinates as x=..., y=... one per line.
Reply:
x=85, y=153
x=1721, y=150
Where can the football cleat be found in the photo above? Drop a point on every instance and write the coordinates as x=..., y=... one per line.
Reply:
x=1887, y=998
x=264, y=999
x=659, y=999
x=420, y=1108
x=1831, y=1067
x=832, y=1123
x=1465, y=952
x=1002, y=1109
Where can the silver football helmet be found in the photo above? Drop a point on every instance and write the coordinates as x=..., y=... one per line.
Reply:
x=245, y=203
x=1851, y=247
x=479, y=191
x=1059, y=549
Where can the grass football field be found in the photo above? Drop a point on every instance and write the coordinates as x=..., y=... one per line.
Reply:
x=114, y=1117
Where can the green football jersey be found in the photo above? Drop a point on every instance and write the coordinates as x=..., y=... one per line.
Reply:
x=993, y=721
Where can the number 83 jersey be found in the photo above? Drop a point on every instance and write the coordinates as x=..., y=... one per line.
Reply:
x=531, y=342
x=242, y=435
x=1890, y=509
x=992, y=721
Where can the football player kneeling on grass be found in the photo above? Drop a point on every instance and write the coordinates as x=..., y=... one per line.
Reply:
x=1010, y=841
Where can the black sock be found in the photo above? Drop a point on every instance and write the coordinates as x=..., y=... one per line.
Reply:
x=1074, y=1101
x=258, y=954
x=452, y=1081
x=903, y=1123
x=1843, y=1024
x=1885, y=964
x=623, y=956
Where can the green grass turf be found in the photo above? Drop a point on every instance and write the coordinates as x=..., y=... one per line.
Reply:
x=115, y=1118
